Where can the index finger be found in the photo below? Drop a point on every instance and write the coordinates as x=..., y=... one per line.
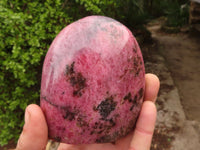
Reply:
x=152, y=85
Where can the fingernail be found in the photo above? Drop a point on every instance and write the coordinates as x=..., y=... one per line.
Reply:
x=27, y=116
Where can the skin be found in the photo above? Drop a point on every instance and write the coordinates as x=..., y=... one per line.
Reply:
x=35, y=132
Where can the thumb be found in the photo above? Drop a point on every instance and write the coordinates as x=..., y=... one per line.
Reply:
x=35, y=133
x=144, y=128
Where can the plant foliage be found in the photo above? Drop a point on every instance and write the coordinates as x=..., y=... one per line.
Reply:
x=26, y=31
x=176, y=11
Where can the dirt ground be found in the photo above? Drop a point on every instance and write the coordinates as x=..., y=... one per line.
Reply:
x=175, y=58
x=182, y=54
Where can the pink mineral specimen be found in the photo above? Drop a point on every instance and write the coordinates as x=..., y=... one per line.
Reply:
x=92, y=82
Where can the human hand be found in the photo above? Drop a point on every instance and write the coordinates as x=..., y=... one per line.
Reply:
x=35, y=132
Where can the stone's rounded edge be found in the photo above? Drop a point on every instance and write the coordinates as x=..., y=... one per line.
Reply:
x=74, y=76
x=101, y=18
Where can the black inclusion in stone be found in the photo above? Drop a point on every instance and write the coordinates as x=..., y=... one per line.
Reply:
x=140, y=93
x=48, y=101
x=137, y=66
x=81, y=121
x=112, y=123
x=134, y=102
x=106, y=107
x=104, y=139
x=70, y=69
x=76, y=80
x=128, y=97
x=69, y=115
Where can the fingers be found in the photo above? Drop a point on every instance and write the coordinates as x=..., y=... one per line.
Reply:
x=146, y=122
x=35, y=133
x=144, y=128
x=152, y=85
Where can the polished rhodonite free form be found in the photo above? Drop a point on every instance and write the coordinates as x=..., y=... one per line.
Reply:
x=92, y=82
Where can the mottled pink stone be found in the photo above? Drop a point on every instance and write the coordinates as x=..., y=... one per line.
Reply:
x=92, y=82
